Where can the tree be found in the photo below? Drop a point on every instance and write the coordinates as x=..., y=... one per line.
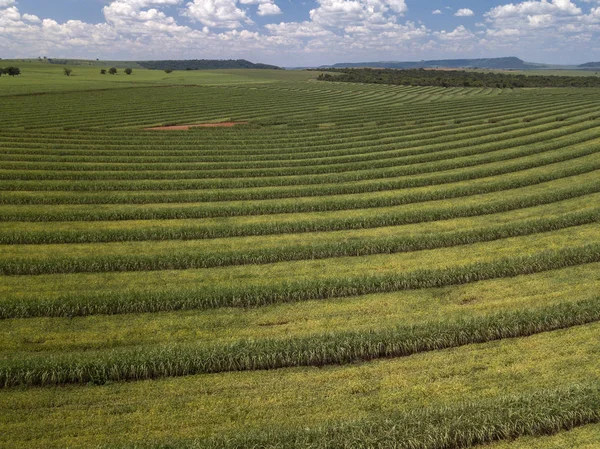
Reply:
x=12, y=71
x=168, y=71
x=67, y=71
x=113, y=71
x=1, y=71
x=102, y=71
x=128, y=71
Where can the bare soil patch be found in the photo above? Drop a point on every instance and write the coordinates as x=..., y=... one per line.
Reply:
x=199, y=125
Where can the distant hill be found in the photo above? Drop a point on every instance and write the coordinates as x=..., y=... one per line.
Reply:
x=204, y=64
x=590, y=65
x=491, y=63
x=88, y=63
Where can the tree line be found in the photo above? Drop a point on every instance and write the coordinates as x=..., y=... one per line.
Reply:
x=456, y=78
x=203, y=64
x=114, y=71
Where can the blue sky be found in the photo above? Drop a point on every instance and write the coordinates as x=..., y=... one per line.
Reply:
x=295, y=33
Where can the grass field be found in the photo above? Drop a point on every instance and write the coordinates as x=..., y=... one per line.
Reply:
x=355, y=266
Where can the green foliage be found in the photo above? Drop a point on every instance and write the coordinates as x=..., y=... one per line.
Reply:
x=139, y=301
x=386, y=245
x=11, y=71
x=341, y=223
x=317, y=350
x=462, y=425
x=445, y=78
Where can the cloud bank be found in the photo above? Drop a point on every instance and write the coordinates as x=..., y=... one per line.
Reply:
x=334, y=30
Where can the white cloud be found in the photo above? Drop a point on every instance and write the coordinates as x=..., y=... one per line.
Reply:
x=268, y=9
x=459, y=33
x=520, y=10
x=265, y=7
x=6, y=3
x=340, y=13
x=464, y=12
x=217, y=13
x=397, y=6
x=437, y=11
x=31, y=18
x=130, y=17
x=10, y=14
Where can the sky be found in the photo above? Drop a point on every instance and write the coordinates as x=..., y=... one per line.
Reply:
x=294, y=33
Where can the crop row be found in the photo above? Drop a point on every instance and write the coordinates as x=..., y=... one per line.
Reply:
x=363, y=152
x=248, y=138
x=455, y=426
x=349, y=116
x=181, y=104
x=258, y=136
x=201, y=259
x=140, y=301
x=272, y=207
x=294, y=123
x=522, y=162
x=291, y=134
x=150, y=362
x=398, y=159
x=507, y=203
x=397, y=162
x=321, y=143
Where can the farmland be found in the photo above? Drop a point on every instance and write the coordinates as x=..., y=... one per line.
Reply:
x=352, y=265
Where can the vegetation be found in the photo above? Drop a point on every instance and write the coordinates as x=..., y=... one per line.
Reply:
x=128, y=71
x=346, y=258
x=316, y=350
x=463, y=425
x=590, y=65
x=67, y=71
x=11, y=71
x=488, y=63
x=452, y=78
x=204, y=64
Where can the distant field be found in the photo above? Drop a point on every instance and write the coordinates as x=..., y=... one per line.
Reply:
x=549, y=72
x=40, y=77
x=354, y=266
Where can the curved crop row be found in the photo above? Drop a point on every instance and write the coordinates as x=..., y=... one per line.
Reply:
x=273, y=207
x=150, y=362
x=420, y=136
x=387, y=154
x=519, y=159
x=456, y=426
x=138, y=301
x=187, y=260
x=393, y=218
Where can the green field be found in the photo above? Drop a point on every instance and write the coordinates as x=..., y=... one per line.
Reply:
x=353, y=266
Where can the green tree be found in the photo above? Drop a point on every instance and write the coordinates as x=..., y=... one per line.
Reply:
x=128, y=71
x=113, y=71
x=67, y=71
x=102, y=71
x=12, y=71
x=168, y=71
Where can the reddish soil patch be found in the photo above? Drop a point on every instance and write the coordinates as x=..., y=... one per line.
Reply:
x=201, y=125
